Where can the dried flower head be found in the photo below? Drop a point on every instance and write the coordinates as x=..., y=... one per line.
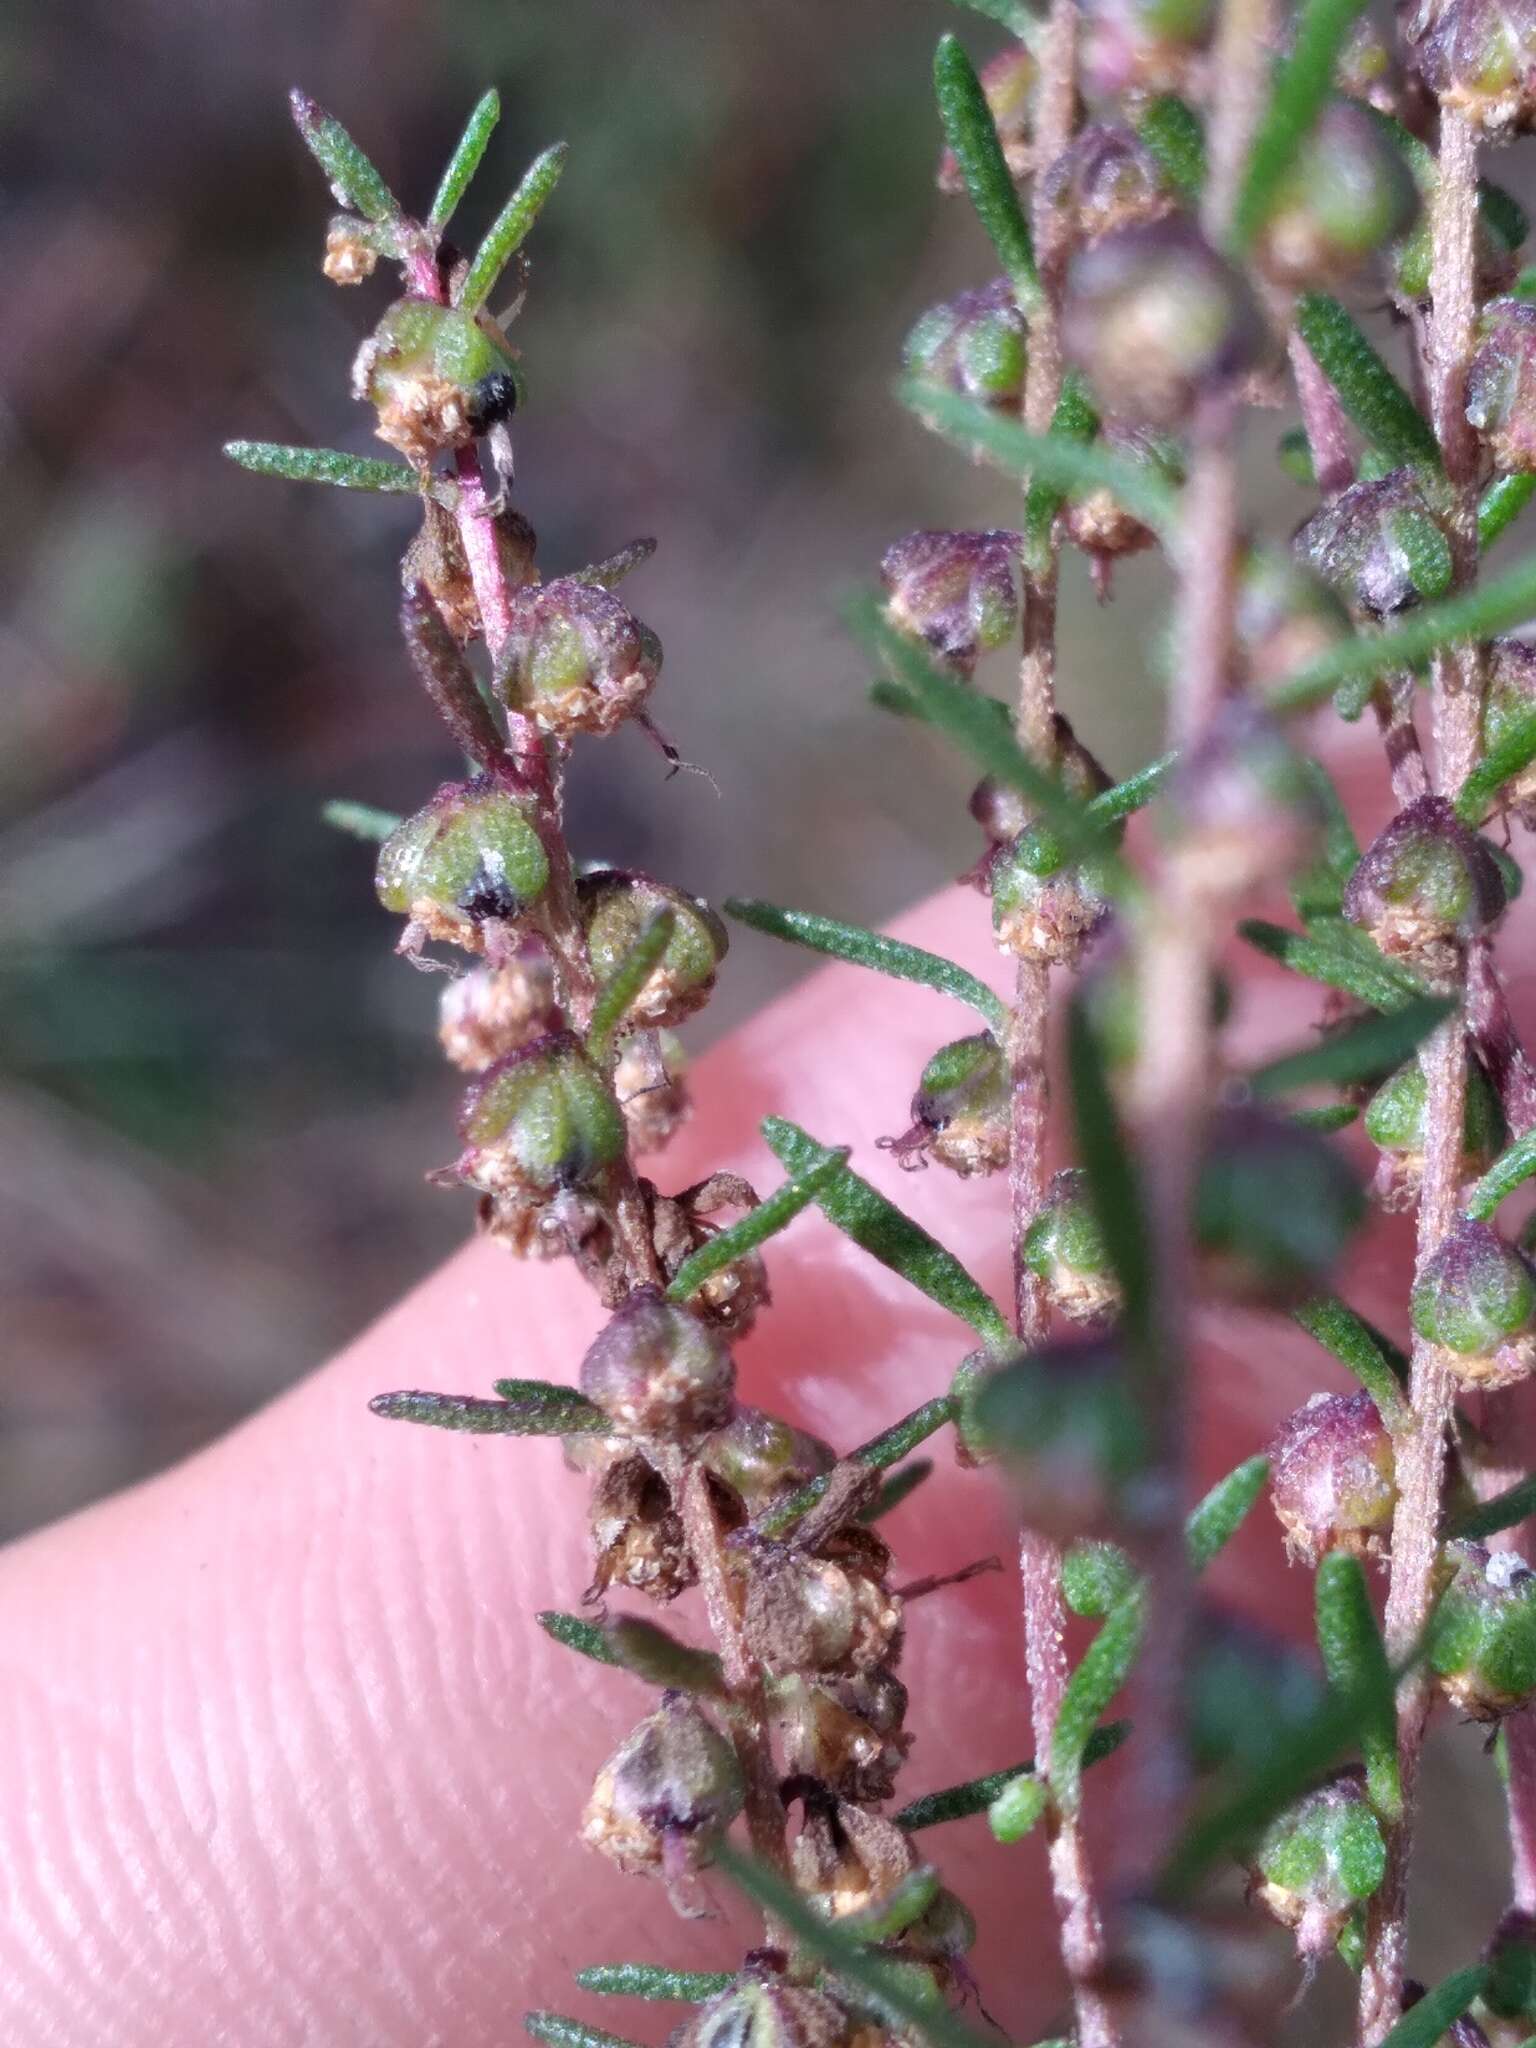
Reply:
x=1042, y=908
x=650, y=1081
x=492, y=1011
x=576, y=659
x=466, y=868
x=956, y=592
x=1143, y=46
x=764, y=2009
x=351, y=252
x=637, y=1535
x=1478, y=56
x=761, y=1457
x=656, y=1369
x=1158, y=319
x=1476, y=1298
x=1106, y=179
x=831, y=1613
x=731, y=1297
x=847, y=1732
x=1333, y=1478
x=974, y=344
x=667, y=1794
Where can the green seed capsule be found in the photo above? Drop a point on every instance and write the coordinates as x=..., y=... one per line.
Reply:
x=1348, y=193
x=465, y=868
x=973, y=344
x=437, y=378
x=1395, y=1122
x=1509, y=707
x=667, y=1794
x=1319, y=1860
x=960, y=1113
x=1476, y=1298
x=615, y=910
x=1424, y=886
x=540, y=1122
x=1482, y=1635
x=1333, y=1478
x=1042, y=910
x=1064, y=1247
x=576, y=659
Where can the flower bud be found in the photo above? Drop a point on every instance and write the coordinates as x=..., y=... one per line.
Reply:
x=1379, y=545
x=491, y=1011
x=1319, y=1860
x=1424, y=886
x=1008, y=81
x=637, y=1535
x=1501, y=383
x=656, y=1370
x=973, y=344
x=1347, y=194
x=956, y=592
x=464, y=867
x=1064, y=1248
x=1482, y=1634
x=960, y=1113
x=1333, y=1478
x=1396, y=1123
x=576, y=660
x=1509, y=706
x=1106, y=179
x=1240, y=811
x=436, y=376
x=1275, y=1206
x=1157, y=319
x=1041, y=909
x=1476, y=1298
x=649, y=1082
x=1479, y=56
x=761, y=1457
x=1285, y=617
x=540, y=1121
x=762, y=2009
x=848, y=1732
x=822, y=1614
x=615, y=910
x=667, y=1794
x=1142, y=46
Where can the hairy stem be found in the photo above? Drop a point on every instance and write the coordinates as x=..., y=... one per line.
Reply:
x=1457, y=717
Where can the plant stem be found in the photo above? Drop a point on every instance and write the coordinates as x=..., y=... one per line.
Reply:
x=1324, y=419
x=1457, y=715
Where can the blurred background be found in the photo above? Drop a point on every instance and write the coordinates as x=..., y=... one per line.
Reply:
x=218, y=1090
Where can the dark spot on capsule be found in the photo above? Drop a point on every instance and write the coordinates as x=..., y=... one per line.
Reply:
x=492, y=400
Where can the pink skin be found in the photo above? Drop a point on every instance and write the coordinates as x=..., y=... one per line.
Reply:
x=288, y=1760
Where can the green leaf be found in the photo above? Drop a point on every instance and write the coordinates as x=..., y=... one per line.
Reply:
x=1073, y=468
x=1507, y=1173
x=1377, y=1363
x=1095, y=1576
x=465, y=161
x=560, y=2032
x=869, y=949
x=324, y=466
x=1502, y=503
x=556, y=1411
x=906, y=1480
x=1105, y=1666
x=960, y=1802
x=1319, y=893
x=1423, y=2024
x=615, y=567
x=1075, y=420
x=1372, y=1047
x=565, y=1404
x=1111, y=805
x=1327, y=1117
x=1492, y=607
x=1505, y=1510
x=864, y=1214
x=352, y=177
x=361, y=821
x=1011, y=14
x=971, y=721
x=1513, y=754
x=507, y=232
x=1367, y=389
x=1301, y=89
x=618, y=992
x=1337, y=955
x=630, y=1644
x=1113, y=1182
x=1174, y=133
x=1216, y=1519
x=972, y=135
x=848, y=1958
x=882, y=1451
x=1355, y=1660
x=653, y=1980
x=769, y=1217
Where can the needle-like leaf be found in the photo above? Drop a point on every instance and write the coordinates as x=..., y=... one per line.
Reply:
x=324, y=466
x=1372, y=1047
x=972, y=136
x=773, y=1214
x=552, y=1411
x=960, y=1802
x=352, y=177
x=1377, y=1363
x=465, y=161
x=1367, y=389
x=508, y=231
x=869, y=949
x=653, y=1980
x=1216, y=1519
x=1300, y=92
x=360, y=821
x=1355, y=1660
x=618, y=992
x=1508, y=1172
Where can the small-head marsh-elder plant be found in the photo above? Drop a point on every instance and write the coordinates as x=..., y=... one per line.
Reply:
x=1198, y=212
